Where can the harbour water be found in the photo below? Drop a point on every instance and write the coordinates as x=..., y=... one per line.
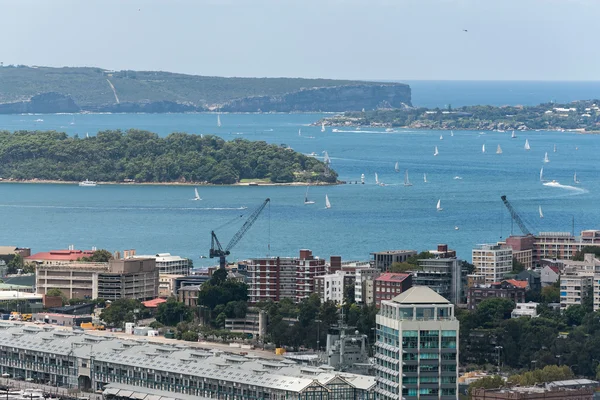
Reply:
x=363, y=218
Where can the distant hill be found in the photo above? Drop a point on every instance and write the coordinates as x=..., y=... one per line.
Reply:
x=96, y=89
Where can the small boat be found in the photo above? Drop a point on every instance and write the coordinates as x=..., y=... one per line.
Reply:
x=499, y=150
x=323, y=127
x=552, y=183
x=87, y=183
x=406, y=181
x=439, y=205
x=436, y=152
x=397, y=167
x=39, y=120
x=306, y=200
x=451, y=133
x=575, y=178
x=389, y=130
x=197, y=195
x=483, y=148
x=513, y=136
x=425, y=178
x=455, y=228
x=335, y=130
x=327, y=203
x=540, y=210
x=441, y=137
x=527, y=147
x=555, y=148
x=546, y=159
x=542, y=174
x=218, y=120
x=458, y=177
x=362, y=179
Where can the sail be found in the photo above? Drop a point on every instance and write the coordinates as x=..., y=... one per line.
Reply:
x=439, y=205
x=323, y=127
x=441, y=137
x=499, y=150
x=527, y=147
x=299, y=132
x=397, y=167
x=483, y=148
x=541, y=213
x=197, y=195
x=376, y=178
x=425, y=178
x=362, y=178
x=546, y=159
x=327, y=203
x=555, y=148
x=326, y=158
x=542, y=174
x=435, y=152
x=513, y=135
x=575, y=178
x=451, y=133
x=406, y=181
x=218, y=120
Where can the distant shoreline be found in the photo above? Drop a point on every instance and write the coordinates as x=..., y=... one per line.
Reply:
x=45, y=181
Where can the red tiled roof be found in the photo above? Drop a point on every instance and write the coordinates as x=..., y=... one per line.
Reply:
x=555, y=269
x=519, y=284
x=153, y=303
x=61, y=255
x=392, y=277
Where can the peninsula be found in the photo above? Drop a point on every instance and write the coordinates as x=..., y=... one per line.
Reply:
x=583, y=116
x=69, y=90
x=144, y=157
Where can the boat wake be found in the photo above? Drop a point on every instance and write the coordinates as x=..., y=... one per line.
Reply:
x=566, y=187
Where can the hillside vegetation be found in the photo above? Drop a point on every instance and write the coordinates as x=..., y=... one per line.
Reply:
x=90, y=87
x=146, y=157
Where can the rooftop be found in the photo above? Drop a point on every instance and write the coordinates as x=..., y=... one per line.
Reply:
x=392, y=277
x=16, y=295
x=420, y=295
x=394, y=252
x=154, y=303
x=60, y=255
x=162, y=257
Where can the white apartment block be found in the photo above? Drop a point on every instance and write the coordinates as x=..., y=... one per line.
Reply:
x=492, y=261
x=525, y=310
x=360, y=284
x=417, y=347
x=166, y=263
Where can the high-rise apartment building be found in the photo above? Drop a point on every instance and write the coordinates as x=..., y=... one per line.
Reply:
x=417, y=347
x=492, y=261
x=444, y=275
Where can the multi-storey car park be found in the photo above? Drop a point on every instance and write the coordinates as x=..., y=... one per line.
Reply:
x=76, y=359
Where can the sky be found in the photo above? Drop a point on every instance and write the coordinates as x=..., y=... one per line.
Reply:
x=342, y=39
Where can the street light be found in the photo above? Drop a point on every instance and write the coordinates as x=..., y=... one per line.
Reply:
x=498, y=348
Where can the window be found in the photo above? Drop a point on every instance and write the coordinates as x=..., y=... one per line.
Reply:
x=429, y=339
x=449, y=356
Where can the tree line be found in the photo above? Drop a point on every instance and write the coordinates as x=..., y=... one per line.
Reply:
x=142, y=156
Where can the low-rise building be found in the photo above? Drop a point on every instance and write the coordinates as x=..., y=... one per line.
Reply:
x=442, y=251
x=331, y=287
x=533, y=279
x=166, y=284
x=382, y=260
x=525, y=310
x=389, y=285
x=563, y=245
x=492, y=261
x=166, y=263
x=577, y=280
x=549, y=275
x=362, y=294
x=188, y=295
x=59, y=257
x=507, y=289
x=254, y=323
x=532, y=393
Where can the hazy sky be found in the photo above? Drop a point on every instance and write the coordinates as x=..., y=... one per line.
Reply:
x=367, y=39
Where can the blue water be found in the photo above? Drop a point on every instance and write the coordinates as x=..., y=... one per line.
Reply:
x=363, y=218
x=498, y=93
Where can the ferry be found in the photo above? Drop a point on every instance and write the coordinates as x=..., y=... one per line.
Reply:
x=87, y=183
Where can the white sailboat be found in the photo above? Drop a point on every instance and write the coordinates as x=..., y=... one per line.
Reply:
x=323, y=127
x=483, y=148
x=425, y=178
x=397, y=167
x=406, y=181
x=575, y=178
x=527, y=147
x=362, y=179
x=439, y=205
x=555, y=148
x=451, y=133
x=327, y=203
x=299, y=132
x=436, y=152
x=219, y=120
x=306, y=200
x=542, y=174
x=499, y=150
x=540, y=210
x=441, y=137
x=376, y=179
x=197, y=195
x=513, y=136
x=546, y=159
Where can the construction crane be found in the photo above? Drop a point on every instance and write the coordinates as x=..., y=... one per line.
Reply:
x=515, y=217
x=216, y=250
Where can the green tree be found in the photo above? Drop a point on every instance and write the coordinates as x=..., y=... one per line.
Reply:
x=492, y=311
x=17, y=263
x=123, y=310
x=402, y=267
x=550, y=294
x=172, y=312
x=57, y=292
x=487, y=382
x=517, y=266
x=189, y=336
x=580, y=255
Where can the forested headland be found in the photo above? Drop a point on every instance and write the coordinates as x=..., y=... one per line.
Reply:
x=142, y=156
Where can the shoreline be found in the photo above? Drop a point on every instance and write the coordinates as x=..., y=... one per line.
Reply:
x=441, y=128
x=253, y=184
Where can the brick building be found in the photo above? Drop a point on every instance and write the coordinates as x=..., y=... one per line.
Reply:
x=389, y=285
x=507, y=289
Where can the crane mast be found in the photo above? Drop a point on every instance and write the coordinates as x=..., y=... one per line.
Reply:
x=216, y=250
x=515, y=216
